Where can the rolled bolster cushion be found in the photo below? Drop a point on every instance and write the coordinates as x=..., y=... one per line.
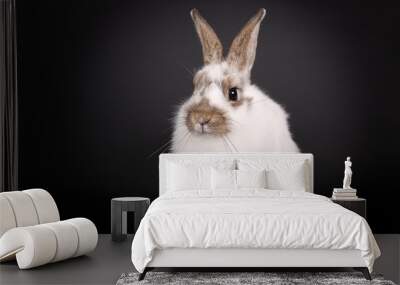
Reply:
x=26, y=208
x=7, y=219
x=87, y=235
x=33, y=246
x=45, y=206
x=40, y=244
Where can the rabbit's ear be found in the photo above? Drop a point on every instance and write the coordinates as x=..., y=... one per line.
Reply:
x=212, y=47
x=243, y=49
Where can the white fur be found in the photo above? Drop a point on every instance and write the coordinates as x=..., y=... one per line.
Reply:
x=257, y=126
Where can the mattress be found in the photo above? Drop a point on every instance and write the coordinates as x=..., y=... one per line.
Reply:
x=252, y=219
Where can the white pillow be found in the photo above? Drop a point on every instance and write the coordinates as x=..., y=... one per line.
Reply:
x=223, y=179
x=237, y=179
x=282, y=174
x=251, y=178
x=185, y=177
x=193, y=173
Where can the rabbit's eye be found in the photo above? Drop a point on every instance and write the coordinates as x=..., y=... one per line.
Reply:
x=233, y=94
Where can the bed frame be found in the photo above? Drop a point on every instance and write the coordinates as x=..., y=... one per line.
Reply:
x=249, y=258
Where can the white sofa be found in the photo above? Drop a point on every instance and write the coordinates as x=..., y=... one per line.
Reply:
x=31, y=230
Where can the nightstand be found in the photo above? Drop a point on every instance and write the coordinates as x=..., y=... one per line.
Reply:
x=119, y=209
x=358, y=205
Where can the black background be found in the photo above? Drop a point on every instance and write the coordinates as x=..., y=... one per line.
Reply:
x=100, y=80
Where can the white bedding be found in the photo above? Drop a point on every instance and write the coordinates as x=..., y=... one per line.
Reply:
x=250, y=218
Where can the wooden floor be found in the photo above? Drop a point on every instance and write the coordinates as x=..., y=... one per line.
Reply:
x=110, y=260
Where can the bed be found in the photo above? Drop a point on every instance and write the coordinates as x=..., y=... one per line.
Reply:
x=246, y=210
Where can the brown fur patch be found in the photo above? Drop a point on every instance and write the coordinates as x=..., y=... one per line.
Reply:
x=204, y=112
x=212, y=47
x=243, y=49
x=200, y=80
x=241, y=101
x=231, y=81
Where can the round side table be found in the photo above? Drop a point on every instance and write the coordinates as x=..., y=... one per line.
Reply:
x=119, y=208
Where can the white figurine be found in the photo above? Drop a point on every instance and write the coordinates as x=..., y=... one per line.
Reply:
x=347, y=174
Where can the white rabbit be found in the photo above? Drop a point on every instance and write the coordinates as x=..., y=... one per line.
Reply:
x=226, y=113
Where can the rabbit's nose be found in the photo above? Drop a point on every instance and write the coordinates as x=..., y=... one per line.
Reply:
x=203, y=122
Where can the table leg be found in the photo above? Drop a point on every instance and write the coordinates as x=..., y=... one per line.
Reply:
x=124, y=223
x=118, y=222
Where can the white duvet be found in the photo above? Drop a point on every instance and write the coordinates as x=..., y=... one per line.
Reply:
x=250, y=218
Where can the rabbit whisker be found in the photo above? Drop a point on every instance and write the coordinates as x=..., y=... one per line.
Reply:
x=160, y=149
x=174, y=117
x=166, y=145
x=231, y=143
x=180, y=124
x=225, y=143
x=178, y=118
x=187, y=70
x=187, y=136
x=230, y=120
x=183, y=138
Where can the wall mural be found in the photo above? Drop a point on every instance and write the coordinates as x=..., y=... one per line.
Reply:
x=106, y=79
x=226, y=112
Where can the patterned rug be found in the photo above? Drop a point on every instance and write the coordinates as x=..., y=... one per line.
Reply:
x=269, y=278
